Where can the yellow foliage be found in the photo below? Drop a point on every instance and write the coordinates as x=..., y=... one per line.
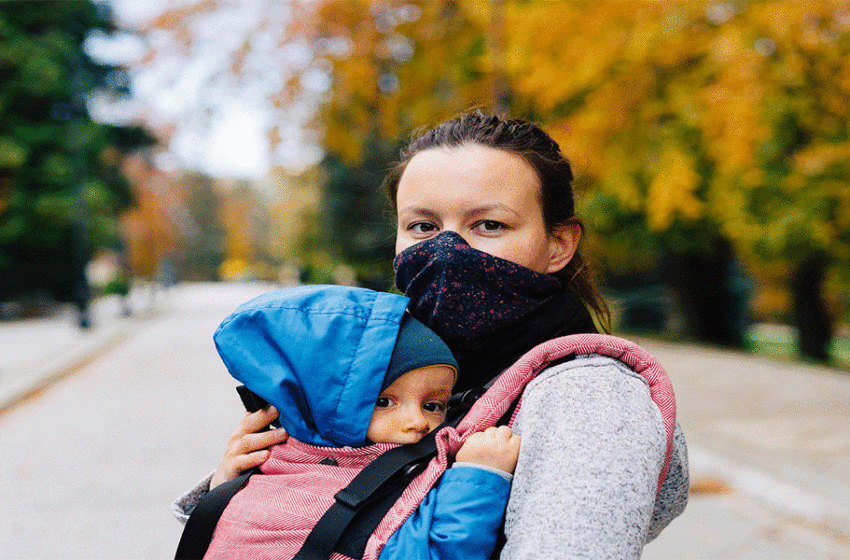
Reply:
x=672, y=190
x=618, y=180
x=236, y=219
x=679, y=109
x=814, y=159
x=235, y=269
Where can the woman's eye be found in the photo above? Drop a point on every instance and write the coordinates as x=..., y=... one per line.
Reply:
x=434, y=407
x=383, y=402
x=422, y=227
x=490, y=225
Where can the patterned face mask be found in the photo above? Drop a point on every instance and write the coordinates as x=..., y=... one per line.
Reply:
x=464, y=294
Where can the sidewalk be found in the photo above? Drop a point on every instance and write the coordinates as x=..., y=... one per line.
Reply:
x=762, y=431
x=36, y=352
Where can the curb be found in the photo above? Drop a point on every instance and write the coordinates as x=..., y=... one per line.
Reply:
x=62, y=365
x=71, y=359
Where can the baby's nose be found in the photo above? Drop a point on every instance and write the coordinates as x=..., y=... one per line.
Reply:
x=416, y=421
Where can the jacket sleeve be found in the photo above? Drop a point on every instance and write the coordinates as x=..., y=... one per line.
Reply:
x=673, y=498
x=458, y=520
x=593, y=444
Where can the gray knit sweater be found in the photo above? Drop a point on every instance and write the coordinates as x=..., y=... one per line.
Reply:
x=593, y=443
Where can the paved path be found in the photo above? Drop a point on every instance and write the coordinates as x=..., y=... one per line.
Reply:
x=37, y=352
x=769, y=445
x=769, y=440
x=91, y=464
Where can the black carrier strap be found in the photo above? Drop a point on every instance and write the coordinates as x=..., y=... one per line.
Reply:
x=199, y=529
x=360, y=506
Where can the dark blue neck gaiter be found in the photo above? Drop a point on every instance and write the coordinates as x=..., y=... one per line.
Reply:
x=488, y=310
x=463, y=293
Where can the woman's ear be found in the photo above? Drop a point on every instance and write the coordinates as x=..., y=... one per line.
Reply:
x=563, y=242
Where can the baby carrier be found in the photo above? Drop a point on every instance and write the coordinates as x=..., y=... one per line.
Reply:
x=368, y=493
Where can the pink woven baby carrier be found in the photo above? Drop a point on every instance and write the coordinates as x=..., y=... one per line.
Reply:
x=273, y=515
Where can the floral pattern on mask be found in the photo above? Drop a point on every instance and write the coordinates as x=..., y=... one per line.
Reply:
x=463, y=293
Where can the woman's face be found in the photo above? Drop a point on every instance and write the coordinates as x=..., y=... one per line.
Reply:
x=489, y=197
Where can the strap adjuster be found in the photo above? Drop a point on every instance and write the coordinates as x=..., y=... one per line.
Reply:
x=348, y=499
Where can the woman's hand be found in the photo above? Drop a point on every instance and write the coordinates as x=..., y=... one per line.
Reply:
x=494, y=447
x=247, y=447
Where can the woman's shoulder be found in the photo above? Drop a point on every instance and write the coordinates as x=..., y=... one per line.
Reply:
x=594, y=354
x=595, y=391
x=593, y=385
x=587, y=368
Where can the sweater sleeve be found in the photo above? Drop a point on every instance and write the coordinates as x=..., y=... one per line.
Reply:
x=459, y=519
x=183, y=506
x=593, y=444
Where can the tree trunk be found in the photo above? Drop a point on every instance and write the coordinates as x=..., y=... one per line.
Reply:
x=810, y=313
x=713, y=293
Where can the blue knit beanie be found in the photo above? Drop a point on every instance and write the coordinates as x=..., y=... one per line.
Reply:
x=416, y=346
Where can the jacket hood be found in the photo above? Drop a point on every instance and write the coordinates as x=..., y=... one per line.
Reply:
x=317, y=353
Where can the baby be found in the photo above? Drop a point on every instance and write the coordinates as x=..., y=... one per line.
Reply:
x=352, y=376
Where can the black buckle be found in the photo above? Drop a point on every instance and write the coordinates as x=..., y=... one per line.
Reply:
x=469, y=398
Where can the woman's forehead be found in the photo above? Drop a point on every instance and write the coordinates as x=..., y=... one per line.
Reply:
x=487, y=176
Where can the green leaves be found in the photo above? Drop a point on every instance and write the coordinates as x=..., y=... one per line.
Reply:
x=52, y=173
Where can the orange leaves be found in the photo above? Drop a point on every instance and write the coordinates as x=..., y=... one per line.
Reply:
x=816, y=158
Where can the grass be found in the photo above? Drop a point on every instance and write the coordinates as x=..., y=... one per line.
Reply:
x=780, y=341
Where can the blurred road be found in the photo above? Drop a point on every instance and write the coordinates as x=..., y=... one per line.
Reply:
x=91, y=465
x=92, y=462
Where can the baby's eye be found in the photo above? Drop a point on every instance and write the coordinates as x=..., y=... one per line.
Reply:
x=434, y=406
x=383, y=402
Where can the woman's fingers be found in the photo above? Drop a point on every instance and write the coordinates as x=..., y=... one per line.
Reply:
x=250, y=460
x=247, y=447
x=249, y=443
x=256, y=421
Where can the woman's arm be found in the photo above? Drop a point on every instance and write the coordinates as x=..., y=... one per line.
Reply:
x=593, y=444
x=673, y=498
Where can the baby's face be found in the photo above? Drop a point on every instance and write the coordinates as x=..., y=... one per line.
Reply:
x=413, y=405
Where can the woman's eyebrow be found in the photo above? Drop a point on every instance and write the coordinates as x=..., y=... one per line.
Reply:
x=490, y=207
x=419, y=211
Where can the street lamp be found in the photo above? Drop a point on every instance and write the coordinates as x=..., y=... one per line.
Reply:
x=80, y=289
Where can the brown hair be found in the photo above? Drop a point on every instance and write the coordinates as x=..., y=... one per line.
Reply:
x=544, y=155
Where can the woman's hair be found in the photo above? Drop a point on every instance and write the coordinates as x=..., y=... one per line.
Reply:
x=544, y=155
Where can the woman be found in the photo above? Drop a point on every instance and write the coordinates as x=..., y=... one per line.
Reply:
x=488, y=252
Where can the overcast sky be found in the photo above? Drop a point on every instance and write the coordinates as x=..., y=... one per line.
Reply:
x=221, y=126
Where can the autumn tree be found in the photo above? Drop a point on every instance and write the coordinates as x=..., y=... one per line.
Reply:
x=151, y=228
x=701, y=128
x=707, y=136
x=370, y=72
x=203, y=245
x=244, y=219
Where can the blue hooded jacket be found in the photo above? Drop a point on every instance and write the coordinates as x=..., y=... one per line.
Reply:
x=318, y=354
